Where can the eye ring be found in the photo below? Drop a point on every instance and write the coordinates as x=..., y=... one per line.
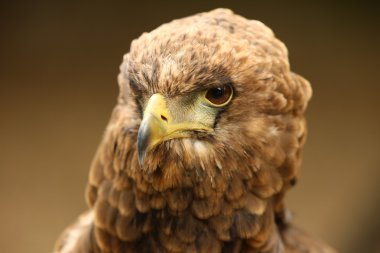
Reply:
x=219, y=96
x=135, y=89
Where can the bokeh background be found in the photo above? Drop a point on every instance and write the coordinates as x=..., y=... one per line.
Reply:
x=58, y=68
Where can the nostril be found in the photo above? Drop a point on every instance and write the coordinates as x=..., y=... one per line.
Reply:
x=164, y=118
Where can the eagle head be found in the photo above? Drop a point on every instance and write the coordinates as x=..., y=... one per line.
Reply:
x=214, y=95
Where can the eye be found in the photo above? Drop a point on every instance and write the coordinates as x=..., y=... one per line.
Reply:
x=219, y=96
x=135, y=88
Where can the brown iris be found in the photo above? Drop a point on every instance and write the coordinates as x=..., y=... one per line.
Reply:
x=219, y=96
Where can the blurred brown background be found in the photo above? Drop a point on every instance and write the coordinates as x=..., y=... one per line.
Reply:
x=58, y=67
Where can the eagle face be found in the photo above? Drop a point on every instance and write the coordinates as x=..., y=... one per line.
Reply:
x=212, y=96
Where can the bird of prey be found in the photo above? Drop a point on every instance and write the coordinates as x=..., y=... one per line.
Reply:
x=203, y=144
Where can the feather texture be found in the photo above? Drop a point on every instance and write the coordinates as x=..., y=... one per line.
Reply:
x=217, y=192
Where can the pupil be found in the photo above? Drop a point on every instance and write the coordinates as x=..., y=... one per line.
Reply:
x=217, y=92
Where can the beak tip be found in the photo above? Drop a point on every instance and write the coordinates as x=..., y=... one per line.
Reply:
x=142, y=143
x=141, y=156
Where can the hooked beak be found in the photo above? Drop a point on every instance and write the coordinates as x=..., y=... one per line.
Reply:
x=158, y=125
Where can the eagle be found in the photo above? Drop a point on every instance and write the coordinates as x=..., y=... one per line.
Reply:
x=203, y=143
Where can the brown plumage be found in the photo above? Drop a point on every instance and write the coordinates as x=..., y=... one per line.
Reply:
x=179, y=171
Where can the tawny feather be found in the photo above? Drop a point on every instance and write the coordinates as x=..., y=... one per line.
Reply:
x=212, y=192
